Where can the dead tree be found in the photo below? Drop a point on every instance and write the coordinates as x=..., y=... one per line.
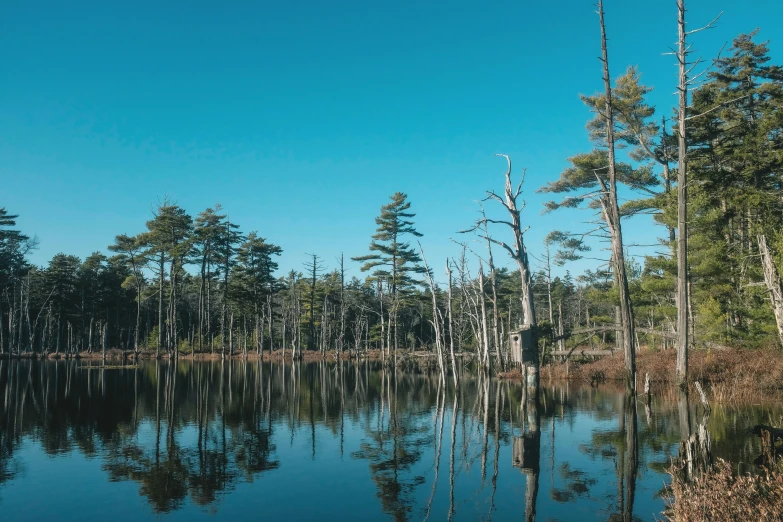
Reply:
x=451, y=330
x=437, y=319
x=683, y=293
x=484, y=335
x=493, y=287
x=682, y=203
x=314, y=267
x=518, y=253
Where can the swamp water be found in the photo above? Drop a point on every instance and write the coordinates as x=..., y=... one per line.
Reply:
x=227, y=440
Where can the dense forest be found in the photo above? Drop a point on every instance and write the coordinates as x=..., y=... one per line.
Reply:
x=198, y=283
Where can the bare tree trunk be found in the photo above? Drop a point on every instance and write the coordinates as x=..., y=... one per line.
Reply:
x=560, y=329
x=772, y=280
x=89, y=337
x=484, y=333
x=162, y=275
x=451, y=332
x=612, y=215
x=208, y=309
x=682, y=208
x=518, y=252
x=103, y=340
x=341, y=342
x=436, y=322
x=201, y=296
x=493, y=287
x=383, y=324
x=270, y=320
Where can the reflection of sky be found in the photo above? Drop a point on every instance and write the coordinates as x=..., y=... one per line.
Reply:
x=325, y=474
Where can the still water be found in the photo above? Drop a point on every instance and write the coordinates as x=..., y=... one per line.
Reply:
x=229, y=440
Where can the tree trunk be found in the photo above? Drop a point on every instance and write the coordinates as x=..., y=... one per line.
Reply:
x=484, y=333
x=612, y=215
x=160, y=304
x=451, y=333
x=103, y=340
x=682, y=208
x=773, y=282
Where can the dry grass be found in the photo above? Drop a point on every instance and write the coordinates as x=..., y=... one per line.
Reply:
x=719, y=494
x=728, y=375
x=513, y=374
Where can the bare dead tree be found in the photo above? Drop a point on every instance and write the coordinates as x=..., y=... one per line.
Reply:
x=314, y=267
x=484, y=335
x=682, y=203
x=451, y=330
x=437, y=322
x=494, y=298
x=517, y=251
x=683, y=293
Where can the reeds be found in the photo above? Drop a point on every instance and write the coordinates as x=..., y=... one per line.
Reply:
x=728, y=375
x=720, y=494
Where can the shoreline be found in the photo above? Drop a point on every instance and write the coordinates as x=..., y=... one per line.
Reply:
x=728, y=376
x=737, y=375
x=129, y=355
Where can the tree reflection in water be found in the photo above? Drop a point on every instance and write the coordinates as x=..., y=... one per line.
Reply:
x=191, y=433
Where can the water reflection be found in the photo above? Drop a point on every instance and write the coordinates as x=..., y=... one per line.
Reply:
x=357, y=440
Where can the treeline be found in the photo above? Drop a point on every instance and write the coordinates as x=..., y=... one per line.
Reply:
x=188, y=284
x=201, y=285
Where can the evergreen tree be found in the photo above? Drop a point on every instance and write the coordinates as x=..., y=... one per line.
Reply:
x=394, y=261
x=255, y=277
x=130, y=249
x=208, y=228
x=737, y=133
x=167, y=240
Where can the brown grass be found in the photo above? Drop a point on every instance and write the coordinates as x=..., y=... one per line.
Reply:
x=719, y=494
x=728, y=375
x=513, y=374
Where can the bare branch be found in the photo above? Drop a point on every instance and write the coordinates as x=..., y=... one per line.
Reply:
x=716, y=107
x=710, y=25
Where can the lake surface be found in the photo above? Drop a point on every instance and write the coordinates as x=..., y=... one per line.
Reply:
x=334, y=441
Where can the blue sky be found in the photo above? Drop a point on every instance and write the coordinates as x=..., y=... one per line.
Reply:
x=302, y=117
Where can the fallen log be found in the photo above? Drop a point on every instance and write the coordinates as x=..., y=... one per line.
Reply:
x=585, y=353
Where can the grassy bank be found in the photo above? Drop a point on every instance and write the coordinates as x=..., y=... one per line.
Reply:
x=720, y=494
x=277, y=355
x=727, y=375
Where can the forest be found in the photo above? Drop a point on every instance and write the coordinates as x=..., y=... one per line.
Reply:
x=709, y=172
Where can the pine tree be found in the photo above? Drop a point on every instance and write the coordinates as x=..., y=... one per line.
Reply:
x=208, y=228
x=256, y=282
x=394, y=261
x=737, y=168
x=168, y=239
x=131, y=250
x=13, y=247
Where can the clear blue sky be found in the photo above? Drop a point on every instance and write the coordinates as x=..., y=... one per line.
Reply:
x=302, y=117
